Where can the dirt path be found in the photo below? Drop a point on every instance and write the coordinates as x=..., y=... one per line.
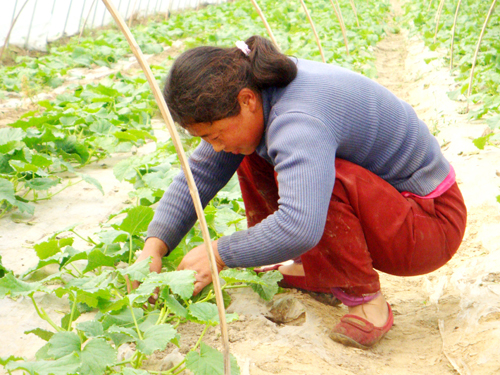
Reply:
x=464, y=295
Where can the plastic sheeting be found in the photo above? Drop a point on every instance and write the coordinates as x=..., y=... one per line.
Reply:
x=43, y=21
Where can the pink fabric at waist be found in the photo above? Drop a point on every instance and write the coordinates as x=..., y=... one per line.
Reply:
x=440, y=190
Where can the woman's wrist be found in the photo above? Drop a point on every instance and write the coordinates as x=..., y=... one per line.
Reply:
x=155, y=247
x=218, y=259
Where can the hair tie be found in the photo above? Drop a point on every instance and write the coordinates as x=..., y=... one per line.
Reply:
x=243, y=47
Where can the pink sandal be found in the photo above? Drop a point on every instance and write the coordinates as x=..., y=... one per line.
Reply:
x=358, y=332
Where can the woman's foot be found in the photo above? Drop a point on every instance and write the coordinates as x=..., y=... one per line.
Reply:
x=376, y=311
x=292, y=269
x=365, y=325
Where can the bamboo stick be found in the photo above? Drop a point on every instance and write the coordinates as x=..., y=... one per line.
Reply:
x=430, y=4
x=132, y=14
x=453, y=33
x=437, y=18
x=318, y=42
x=353, y=6
x=338, y=13
x=490, y=12
x=86, y=19
x=10, y=30
x=187, y=171
x=263, y=18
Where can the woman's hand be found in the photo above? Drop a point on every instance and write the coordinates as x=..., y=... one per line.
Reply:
x=156, y=249
x=197, y=260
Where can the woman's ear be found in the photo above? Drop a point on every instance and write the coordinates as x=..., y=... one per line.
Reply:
x=249, y=98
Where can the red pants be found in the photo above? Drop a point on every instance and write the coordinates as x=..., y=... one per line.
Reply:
x=369, y=226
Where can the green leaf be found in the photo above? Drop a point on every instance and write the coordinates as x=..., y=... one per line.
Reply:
x=180, y=282
x=133, y=135
x=122, y=317
x=232, y=276
x=137, y=220
x=8, y=135
x=63, y=343
x=150, y=320
x=112, y=236
x=209, y=361
x=7, y=192
x=68, y=365
x=3, y=270
x=41, y=161
x=156, y=338
x=10, y=147
x=498, y=198
x=96, y=258
x=481, y=141
x=271, y=287
x=138, y=271
x=493, y=122
x=11, y=286
x=43, y=334
x=121, y=335
x=96, y=356
x=91, y=328
x=49, y=248
x=207, y=313
x=4, y=361
x=24, y=207
x=42, y=183
x=68, y=120
x=89, y=289
x=174, y=305
x=92, y=181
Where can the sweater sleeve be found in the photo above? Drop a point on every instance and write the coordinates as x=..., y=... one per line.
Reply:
x=175, y=214
x=303, y=150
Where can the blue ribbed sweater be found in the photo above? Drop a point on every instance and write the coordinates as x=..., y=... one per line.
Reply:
x=324, y=113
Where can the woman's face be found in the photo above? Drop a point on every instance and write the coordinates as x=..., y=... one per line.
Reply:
x=240, y=134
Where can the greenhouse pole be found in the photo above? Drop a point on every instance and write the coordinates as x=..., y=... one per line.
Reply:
x=263, y=18
x=187, y=171
x=318, y=42
x=83, y=11
x=453, y=33
x=67, y=16
x=490, y=12
x=437, y=18
x=353, y=6
x=338, y=13
x=14, y=12
x=6, y=42
x=31, y=23
x=86, y=19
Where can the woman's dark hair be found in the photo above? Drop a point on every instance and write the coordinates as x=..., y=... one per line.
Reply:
x=204, y=82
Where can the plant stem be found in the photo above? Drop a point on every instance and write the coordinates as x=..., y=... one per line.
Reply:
x=73, y=308
x=76, y=269
x=209, y=296
x=88, y=239
x=130, y=251
x=124, y=362
x=135, y=322
x=42, y=314
x=49, y=196
x=162, y=315
x=178, y=372
x=201, y=336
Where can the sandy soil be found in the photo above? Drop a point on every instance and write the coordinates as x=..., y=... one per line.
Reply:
x=445, y=322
